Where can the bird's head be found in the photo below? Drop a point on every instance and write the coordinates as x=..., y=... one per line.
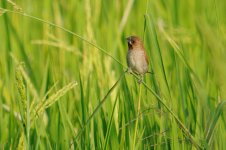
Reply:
x=133, y=42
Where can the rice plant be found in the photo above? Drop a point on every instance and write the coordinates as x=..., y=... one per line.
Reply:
x=64, y=82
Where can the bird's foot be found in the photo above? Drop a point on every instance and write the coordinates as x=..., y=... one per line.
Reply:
x=140, y=80
x=129, y=70
x=151, y=72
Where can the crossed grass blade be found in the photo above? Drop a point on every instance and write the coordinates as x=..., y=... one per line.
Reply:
x=181, y=125
x=213, y=122
x=42, y=105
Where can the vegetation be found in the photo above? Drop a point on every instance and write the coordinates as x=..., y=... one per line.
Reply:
x=64, y=85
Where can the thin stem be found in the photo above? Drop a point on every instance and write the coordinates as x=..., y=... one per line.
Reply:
x=98, y=107
x=138, y=112
x=181, y=125
x=64, y=29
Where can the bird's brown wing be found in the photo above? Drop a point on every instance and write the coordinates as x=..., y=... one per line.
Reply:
x=146, y=57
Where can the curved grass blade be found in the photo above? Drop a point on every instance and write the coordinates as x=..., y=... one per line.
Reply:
x=66, y=30
x=99, y=106
x=181, y=125
x=156, y=41
x=42, y=105
x=213, y=122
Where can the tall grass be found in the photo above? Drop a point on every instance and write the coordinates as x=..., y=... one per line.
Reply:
x=63, y=83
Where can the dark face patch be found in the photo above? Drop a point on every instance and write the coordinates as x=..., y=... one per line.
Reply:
x=131, y=41
x=130, y=45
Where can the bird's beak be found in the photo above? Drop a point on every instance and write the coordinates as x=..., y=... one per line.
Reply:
x=129, y=40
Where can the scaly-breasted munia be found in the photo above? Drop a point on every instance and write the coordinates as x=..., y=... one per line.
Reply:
x=137, y=59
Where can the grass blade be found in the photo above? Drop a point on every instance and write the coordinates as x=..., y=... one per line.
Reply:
x=42, y=105
x=109, y=126
x=99, y=106
x=213, y=122
x=181, y=125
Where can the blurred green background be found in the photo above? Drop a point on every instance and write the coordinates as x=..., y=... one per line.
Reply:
x=51, y=81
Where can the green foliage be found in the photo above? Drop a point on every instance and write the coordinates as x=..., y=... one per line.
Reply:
x=63, y=83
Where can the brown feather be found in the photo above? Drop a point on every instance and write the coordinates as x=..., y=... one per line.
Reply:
x=146, y=57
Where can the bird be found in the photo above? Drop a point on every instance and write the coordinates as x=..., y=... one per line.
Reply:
x=137, y=59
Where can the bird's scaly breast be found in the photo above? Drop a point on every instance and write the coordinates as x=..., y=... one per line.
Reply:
x=136, y=61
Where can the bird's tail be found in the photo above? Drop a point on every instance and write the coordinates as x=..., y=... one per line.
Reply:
x=151, y=72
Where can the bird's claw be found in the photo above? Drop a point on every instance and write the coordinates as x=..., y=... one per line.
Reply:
x=151, y=72
x=140, y=81
x=129, y=70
